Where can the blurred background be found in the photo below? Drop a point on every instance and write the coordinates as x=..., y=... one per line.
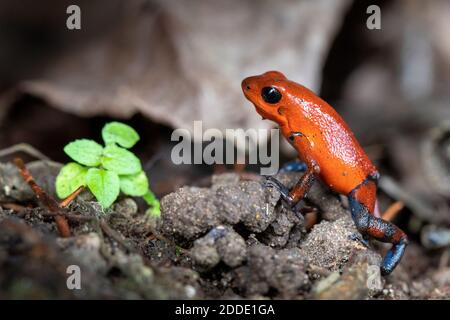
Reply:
x=161, y=64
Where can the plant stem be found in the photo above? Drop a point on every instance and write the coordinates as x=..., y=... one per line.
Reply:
x=152, y=201
x=71, y=197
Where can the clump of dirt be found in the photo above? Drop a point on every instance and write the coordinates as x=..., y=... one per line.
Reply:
x=269, y=271
x=359, y=279
x=329, y=244
x=233, y=239
x=219, y=244
x=192, y=211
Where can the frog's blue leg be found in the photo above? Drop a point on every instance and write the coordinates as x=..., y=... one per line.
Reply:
x=294, y=166
x=368, y=224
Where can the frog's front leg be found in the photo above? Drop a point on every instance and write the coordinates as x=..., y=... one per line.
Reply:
x=298, y=192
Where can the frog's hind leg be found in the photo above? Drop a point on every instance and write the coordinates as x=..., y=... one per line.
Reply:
x=294, y=166
x=362, y=204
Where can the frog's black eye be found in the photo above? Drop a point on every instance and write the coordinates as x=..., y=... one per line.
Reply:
x=270, y=95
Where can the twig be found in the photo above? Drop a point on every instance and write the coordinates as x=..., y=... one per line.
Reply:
x=70, y=216
x=21, y=211
x=114, y=235
x=71, y=197
x=13, y=206
x=49, y=202
x=392, y=211
x=25, y=148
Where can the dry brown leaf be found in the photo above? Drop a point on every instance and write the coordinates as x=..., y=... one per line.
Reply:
x=180, y=61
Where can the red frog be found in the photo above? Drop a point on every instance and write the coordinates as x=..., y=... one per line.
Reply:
x=328, y=147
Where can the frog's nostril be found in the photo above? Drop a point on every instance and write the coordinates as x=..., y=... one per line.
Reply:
x=245, y=84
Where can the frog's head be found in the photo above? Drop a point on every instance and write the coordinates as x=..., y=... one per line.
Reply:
x=268, y=92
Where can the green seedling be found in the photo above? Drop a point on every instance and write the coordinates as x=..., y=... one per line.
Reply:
x=106, y=170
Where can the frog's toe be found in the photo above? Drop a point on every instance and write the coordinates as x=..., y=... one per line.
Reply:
x=360, y=239
x=271, y=182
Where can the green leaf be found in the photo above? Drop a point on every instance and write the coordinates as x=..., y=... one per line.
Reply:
x=120, y=160
x=120, y=133
x=85, y=151
x=104, y=184
x=153, y=202
x=134, y=185
x=70, y=178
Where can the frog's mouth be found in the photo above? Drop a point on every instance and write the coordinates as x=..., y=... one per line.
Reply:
x=263, y=113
